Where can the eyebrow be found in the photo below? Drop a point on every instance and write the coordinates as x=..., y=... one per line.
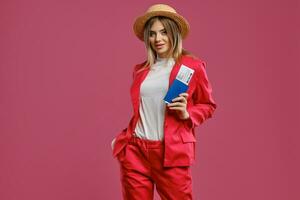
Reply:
x=159, y=30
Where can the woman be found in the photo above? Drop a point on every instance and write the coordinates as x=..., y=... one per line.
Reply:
x=158, y=146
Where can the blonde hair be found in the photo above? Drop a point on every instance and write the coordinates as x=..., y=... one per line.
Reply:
x=173, y=33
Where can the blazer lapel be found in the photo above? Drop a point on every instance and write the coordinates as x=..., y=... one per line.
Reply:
x=135, y=90
x=140, y=77
x=174, y=72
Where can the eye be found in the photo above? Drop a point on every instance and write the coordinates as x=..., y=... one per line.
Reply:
x=164, y=32
x=152, y=33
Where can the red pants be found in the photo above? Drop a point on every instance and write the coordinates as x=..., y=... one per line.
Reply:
x=141, y=165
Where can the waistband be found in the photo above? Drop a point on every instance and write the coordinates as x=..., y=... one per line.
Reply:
x=149, y=144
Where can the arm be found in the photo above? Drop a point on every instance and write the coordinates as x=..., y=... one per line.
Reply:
x=203, y=104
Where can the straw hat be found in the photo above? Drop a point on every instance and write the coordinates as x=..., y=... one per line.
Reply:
x=160, y=10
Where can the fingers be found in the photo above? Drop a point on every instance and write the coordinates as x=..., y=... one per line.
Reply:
x=179, y=99
x=182, y=98
x=179, y=103
x=176, y=104
x=184, y=94
x=113, y=143
x=177, y=108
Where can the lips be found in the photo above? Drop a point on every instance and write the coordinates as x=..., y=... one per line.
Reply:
x=159, y=46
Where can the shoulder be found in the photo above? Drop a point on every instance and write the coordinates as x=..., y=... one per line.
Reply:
x=198, y=65
x=138, y=68
x=193, y=62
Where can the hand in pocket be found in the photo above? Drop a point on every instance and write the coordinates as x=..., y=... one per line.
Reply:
x=113, y=143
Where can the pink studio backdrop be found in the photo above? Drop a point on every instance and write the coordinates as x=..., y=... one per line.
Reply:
x=65, y=77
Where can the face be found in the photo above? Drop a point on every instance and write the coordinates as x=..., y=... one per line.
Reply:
x=159, y=39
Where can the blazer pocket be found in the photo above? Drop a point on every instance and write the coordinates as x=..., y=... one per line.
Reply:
x=187, y=137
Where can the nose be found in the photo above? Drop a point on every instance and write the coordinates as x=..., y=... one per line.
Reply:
x=158, y=37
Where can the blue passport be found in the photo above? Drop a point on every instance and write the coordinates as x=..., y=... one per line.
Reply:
x=175, y=89
x=180, y=84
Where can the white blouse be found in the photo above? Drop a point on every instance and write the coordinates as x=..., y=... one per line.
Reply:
x=152, y=106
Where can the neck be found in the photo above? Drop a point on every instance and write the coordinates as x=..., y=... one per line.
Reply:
x=158, y=58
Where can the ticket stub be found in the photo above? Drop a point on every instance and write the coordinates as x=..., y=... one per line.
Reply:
x=180, y=84
x=185, y=74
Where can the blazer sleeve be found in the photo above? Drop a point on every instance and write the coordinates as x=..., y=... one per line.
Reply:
x=203, y=104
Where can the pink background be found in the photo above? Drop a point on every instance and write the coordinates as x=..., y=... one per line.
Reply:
x=65, y=77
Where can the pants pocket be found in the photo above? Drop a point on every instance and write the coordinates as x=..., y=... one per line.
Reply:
x=121, y=155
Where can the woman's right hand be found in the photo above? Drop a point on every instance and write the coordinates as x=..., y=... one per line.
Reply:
x=113, y=143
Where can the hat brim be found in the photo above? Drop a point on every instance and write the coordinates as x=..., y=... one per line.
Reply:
x=140, y=22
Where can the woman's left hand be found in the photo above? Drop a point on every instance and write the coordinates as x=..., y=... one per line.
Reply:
x=179, y=105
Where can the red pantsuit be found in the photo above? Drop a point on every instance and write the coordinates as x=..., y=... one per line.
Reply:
x=165, y=163
x=141, y=167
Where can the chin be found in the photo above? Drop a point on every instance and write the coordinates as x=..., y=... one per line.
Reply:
x=161, y=52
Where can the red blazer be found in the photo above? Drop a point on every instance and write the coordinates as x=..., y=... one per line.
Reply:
x=179, y=135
